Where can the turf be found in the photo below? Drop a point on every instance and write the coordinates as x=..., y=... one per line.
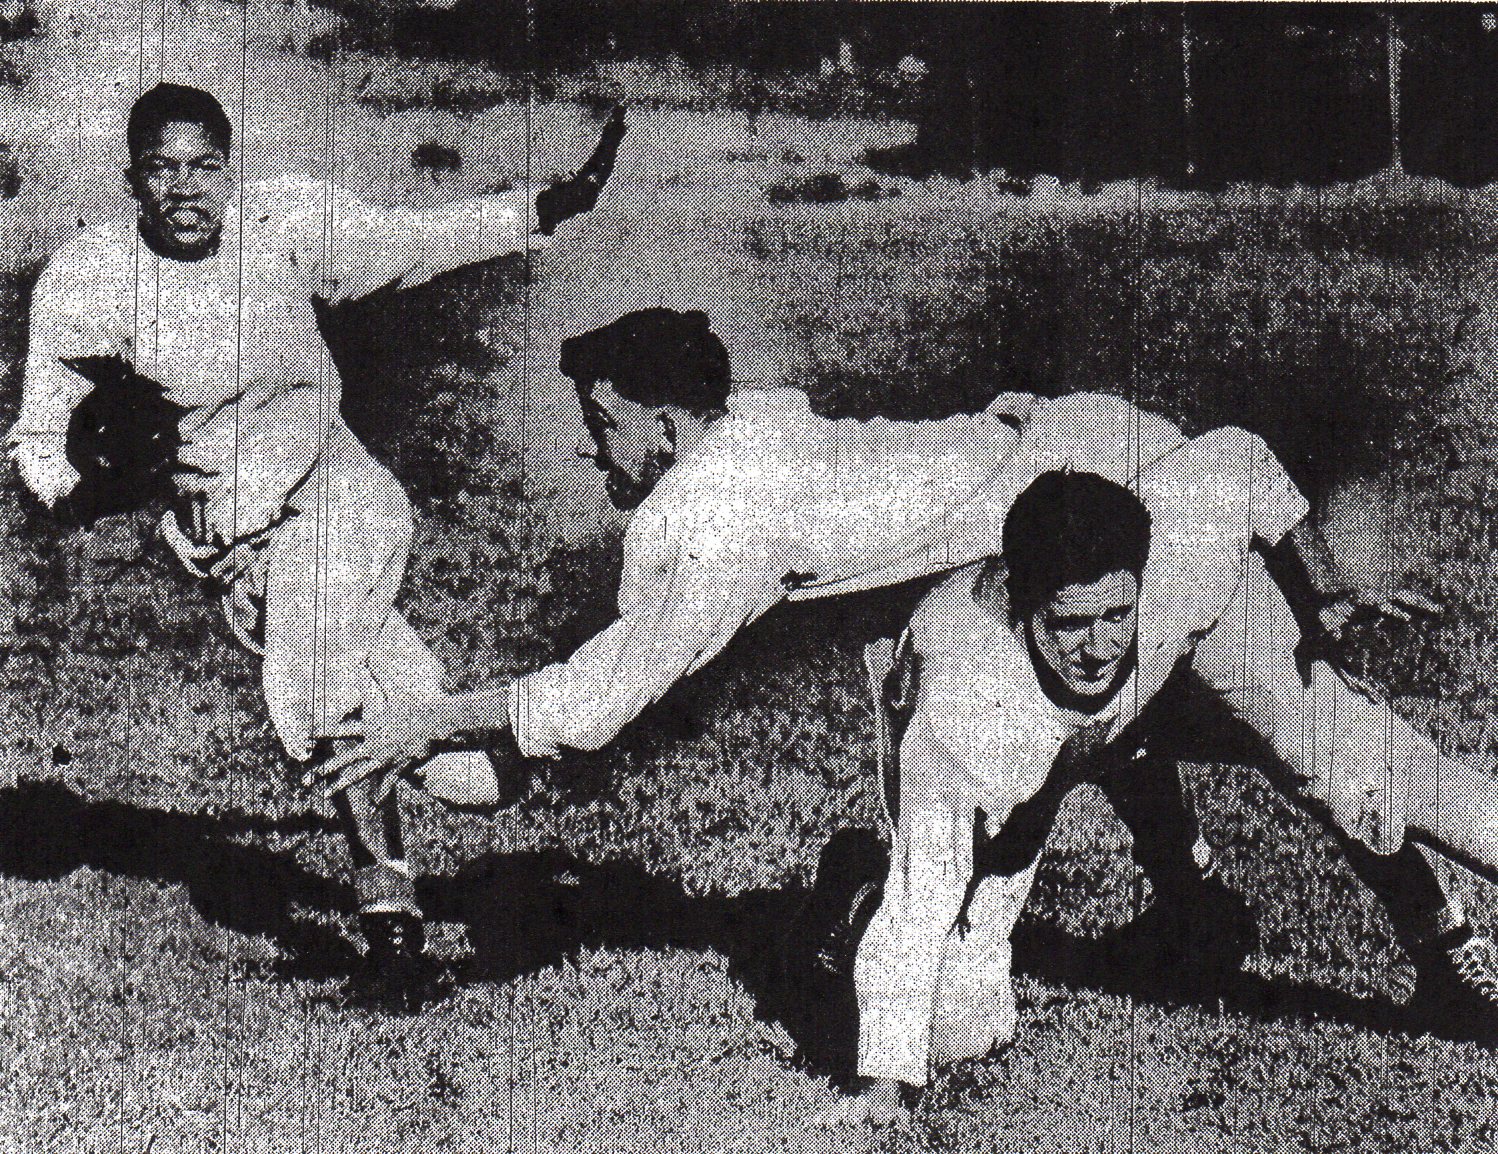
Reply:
x=173, y=914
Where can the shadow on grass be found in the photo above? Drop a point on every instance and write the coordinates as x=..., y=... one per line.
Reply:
x=1106, y=965
x=528, y=911
x=50, y=831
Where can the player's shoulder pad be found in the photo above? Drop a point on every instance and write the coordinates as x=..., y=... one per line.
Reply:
x=92, y=248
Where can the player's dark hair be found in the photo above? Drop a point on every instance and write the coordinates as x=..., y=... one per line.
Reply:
x=174, y=104
x=1070, y=529
x=654, y=357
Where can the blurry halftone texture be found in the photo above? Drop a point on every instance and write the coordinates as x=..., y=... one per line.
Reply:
x=1197, y=93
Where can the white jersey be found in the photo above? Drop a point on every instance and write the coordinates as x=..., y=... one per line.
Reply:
x=981, y=696
x=776, y=502
x=233, y=337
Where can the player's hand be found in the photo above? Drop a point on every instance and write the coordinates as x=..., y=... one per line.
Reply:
x=577, y=194
x=45, y=469
x=397, y=734
x=1352, y=610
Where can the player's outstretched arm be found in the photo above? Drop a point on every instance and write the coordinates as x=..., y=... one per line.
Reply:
x=377, y=247
x=672, y=627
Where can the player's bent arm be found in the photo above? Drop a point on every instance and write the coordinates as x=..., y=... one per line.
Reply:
x=1320, y=594
x=1301, y=565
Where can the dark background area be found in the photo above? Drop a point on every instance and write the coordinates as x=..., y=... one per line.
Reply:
x=1190, y=94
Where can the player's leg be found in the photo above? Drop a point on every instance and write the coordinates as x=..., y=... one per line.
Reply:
x=1147, y=793
x=332, y=572
x=1349, y=759
x=910, y=960
x=975, y=1008
x=898, y=963
x=1195, y=925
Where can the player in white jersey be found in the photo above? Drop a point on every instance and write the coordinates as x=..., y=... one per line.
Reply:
x=1045, y=668
x=210, y=292
x=745, y=499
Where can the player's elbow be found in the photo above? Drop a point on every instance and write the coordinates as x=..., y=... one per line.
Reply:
x=1236, y=444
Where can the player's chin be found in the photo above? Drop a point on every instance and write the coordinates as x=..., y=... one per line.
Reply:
x=625, y=492
x=1088, y=683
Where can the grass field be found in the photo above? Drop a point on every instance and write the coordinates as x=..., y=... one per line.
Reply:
x=173, y=914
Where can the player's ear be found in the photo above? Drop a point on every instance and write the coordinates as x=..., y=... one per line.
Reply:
x=135, y=181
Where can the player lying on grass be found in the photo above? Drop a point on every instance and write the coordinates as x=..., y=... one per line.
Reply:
x=299, y=531
x=745, y=499
x=1062, y=663
x=742, y=500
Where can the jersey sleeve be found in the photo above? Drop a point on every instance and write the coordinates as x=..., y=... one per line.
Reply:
x=676, y=617
x=68, y=319
x=367, y=247
x=345, y=247
x=1229, y=482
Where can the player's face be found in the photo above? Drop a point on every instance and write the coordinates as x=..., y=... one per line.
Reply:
x=634, y=444
x=183, y=183
x=1086, y=631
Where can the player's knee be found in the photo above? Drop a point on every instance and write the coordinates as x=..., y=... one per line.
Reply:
x=1095, y=409
x=1239, y=455
x=1234, y=440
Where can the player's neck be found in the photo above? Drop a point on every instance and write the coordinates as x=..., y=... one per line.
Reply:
x=688, y=432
